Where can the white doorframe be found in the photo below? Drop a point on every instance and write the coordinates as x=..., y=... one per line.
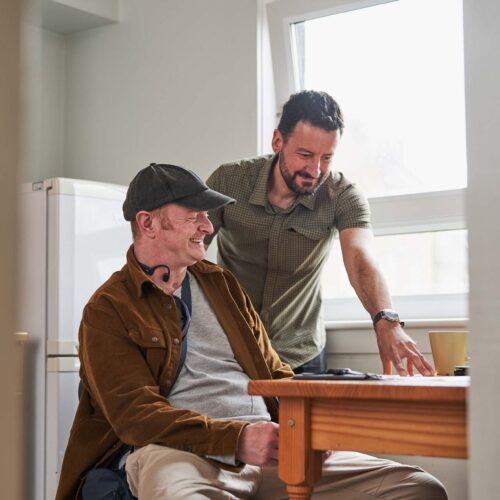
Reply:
x=10, y=412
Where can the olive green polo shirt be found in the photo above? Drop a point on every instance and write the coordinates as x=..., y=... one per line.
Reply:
x=278, y=254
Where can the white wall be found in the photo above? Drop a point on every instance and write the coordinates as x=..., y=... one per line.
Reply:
x=482, y=53
x=171, y=82
x=43, y=102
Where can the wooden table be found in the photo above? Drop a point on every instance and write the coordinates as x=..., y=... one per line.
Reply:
x=407, y=415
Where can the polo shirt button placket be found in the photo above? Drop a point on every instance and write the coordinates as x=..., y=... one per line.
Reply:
x=273, y=259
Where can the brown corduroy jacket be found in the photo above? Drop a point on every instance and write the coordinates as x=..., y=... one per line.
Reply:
x=130, y=344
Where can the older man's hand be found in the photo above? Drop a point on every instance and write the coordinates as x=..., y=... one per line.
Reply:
x=395, y=346
x=258, y=444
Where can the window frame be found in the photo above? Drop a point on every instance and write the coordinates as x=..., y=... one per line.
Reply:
x=411, y=214
x=391, y=215
x=418, y=212
x=282, y=13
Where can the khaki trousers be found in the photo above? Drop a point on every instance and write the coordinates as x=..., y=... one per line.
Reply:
x=156, y=472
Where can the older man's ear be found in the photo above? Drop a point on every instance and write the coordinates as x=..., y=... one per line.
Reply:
x=145, y=225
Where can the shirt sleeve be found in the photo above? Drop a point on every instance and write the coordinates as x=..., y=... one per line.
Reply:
x=353, y=209
x=229, y=459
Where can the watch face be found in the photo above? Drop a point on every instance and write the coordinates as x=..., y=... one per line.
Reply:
x=390, y=315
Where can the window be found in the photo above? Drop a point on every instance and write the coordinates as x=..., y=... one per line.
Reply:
x=427, y=272
x=396, y=69
x=415, y=264
x=401, y=87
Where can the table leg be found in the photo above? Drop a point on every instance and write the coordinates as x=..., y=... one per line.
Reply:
x=299, y=465
x=299, y=492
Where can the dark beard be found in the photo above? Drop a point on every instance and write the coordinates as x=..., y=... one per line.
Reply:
x=290, y=179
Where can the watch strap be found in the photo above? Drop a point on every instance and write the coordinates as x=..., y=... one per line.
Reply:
x=383, y=315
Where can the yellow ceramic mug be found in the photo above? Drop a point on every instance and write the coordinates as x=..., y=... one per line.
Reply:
x=449, y=349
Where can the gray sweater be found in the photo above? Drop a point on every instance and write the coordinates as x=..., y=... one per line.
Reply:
x=211, y=381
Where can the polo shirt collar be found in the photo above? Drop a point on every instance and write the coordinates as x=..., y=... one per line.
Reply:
x=259, y=193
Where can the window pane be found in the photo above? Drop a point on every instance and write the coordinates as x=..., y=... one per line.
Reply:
x=397, y=72
x=413, y=264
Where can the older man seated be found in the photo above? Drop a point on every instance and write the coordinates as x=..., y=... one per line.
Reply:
x=167, y=347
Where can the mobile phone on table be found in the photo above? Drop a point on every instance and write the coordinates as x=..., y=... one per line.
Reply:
x=338, y=374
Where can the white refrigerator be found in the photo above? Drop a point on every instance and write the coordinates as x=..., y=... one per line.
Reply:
x=72, y=238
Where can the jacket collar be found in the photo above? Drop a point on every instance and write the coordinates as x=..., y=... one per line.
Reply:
x=259, y=193
x=142, y=281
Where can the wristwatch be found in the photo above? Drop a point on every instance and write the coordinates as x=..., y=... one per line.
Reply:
x=389, y=315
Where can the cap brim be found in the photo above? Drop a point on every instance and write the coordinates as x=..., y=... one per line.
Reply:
x=205, y=200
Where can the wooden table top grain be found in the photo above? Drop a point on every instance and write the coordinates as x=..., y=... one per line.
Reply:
x=398, y=388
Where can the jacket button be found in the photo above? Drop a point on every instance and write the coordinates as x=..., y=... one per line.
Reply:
x=155, y=339
x=168, y=383
x=176, y=341
x=168, y=307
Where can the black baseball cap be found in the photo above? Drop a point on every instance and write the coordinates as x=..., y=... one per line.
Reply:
x=159, y=184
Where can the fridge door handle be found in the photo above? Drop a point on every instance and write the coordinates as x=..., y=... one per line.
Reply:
x=62, y=348
x=63, y=364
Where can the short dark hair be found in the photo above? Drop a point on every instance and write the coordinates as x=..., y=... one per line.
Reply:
x=314, y=107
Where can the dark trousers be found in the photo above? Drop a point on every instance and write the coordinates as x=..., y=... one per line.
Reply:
x=315, y=365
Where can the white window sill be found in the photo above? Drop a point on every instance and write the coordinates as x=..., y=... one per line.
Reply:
x=441, y=323
x=358, y=337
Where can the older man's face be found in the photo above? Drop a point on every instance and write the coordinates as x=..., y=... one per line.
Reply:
x=181, y=233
